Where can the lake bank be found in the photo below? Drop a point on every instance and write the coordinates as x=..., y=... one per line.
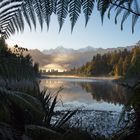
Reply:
x=95, y=122
x=127, y=82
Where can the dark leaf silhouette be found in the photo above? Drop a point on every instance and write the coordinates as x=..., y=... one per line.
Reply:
x=14, y=13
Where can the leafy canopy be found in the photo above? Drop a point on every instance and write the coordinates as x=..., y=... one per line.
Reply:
x=14, y=13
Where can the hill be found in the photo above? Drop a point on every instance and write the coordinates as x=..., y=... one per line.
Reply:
x=68, y=57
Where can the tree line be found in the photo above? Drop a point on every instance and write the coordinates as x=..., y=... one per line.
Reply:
x=14, y=65
x=118, y=63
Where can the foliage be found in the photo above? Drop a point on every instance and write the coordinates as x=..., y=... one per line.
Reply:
x=14, y=13
x=14, y=65
x=121, y=63
x=24, y=109
x=131, y=115
x=28, y=114
x=134, y=69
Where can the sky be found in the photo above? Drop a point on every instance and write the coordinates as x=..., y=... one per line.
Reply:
x=108, y=35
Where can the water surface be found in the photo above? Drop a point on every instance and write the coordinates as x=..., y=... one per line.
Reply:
x=88, y=94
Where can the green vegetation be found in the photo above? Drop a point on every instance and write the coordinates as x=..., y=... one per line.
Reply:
x=13, y=63
x=17, y=72
x=118, y=63
x=23, y=115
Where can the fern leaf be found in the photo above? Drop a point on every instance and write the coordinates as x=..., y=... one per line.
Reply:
x=47, y=9
x=88, y=6
x=119, y=10
x=103, y=6
x=74, y=11
x=26, y=16
x=135, y=17
x=62, y=12
x=38, y=9
x=125, y=16
x=30, y=11
x=109, y=11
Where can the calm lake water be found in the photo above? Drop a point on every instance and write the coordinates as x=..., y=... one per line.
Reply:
x=87, y=94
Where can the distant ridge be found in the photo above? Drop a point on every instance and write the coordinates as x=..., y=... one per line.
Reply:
x=39, y=57
x=61, y=49
x=68, y=57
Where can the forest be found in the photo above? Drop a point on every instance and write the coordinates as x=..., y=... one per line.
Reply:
x=118, y=63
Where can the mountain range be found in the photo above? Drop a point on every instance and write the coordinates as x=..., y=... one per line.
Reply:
x=68, y=57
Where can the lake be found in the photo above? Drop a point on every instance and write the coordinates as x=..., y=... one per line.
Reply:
x=99, y=101
x=89, y=93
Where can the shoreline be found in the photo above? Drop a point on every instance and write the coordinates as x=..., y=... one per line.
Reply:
x=110, y=78
x=128, y=82
x=95, y=122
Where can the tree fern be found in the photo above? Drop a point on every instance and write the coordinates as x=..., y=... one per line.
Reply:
x=29, y=7
x=135, y=17
x=38, y=9
x=17, y=12
x=74, y=11
x=47, y=9
x=118, y=11
x=61, y=11
x=125, y=8
x=125, y=16
x=103, y=5
x=26, y=16
x=88, y=6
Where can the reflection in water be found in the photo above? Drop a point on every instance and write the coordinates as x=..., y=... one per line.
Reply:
x=98, y=94
x=108, y=92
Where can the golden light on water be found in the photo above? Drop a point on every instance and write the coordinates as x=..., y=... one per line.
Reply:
x=70, y=92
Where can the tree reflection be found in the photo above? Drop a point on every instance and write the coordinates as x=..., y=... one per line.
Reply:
x=101, y=91
x=107, y=91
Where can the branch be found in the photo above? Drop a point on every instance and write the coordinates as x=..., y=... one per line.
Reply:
x=128, y=9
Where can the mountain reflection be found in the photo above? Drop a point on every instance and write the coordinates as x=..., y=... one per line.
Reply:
x=89, y=91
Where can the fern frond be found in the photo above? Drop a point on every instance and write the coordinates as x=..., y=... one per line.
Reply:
x=22, y=99
x=38, y=10
x=47, y=9
x=61, y=11
x=135, y=17
x=119, y=10
x=18, y=12
x=103, y=6
x=30, y=11
x=26, y=16
x=74, y=11
x=126, y=8
x=88, y=6
x=125, y=16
